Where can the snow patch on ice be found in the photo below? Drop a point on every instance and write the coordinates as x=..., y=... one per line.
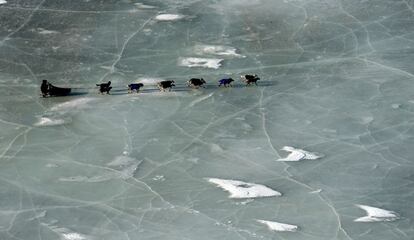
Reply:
x=245, y=202
x=58, y=114
x=72, y=105
x=46, y=32
x=215, y=148
x=73, y=236
x=128, y=171
x=214, y=63
x=239, y=189
x=297, y=154
x=66, y=234
x=121, y=161
x=193, y=160
x=3, y=2
x=376, y=214
x=316, y=191
x=396, y=105
x=125, y=165
x=279, y=227
x=159, y=178
x=144, y=6
x=45, y=121
x=169, y=17
x=149, y=81
x=367, y=120
x=217, y=50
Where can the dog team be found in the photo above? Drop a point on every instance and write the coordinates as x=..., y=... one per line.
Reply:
x=48, y=89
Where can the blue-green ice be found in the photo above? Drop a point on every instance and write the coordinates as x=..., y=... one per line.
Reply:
x=322, y=148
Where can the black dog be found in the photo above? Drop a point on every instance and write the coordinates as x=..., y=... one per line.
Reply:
x=104, y=87
x=196, y=82
x=134, y=86
x=225, y=82
x=249, y=79
x=166, y=84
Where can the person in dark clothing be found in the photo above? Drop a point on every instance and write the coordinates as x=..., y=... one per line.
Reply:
x=196, y=82
x=225, y=82
x=48, y=89
x=166, y=84
x=44, y=88
x=104, y=87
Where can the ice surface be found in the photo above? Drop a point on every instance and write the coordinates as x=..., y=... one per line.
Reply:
x=336, y=78
x=200, y=99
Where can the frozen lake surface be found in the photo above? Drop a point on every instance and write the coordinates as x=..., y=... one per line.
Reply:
x=322, y=148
